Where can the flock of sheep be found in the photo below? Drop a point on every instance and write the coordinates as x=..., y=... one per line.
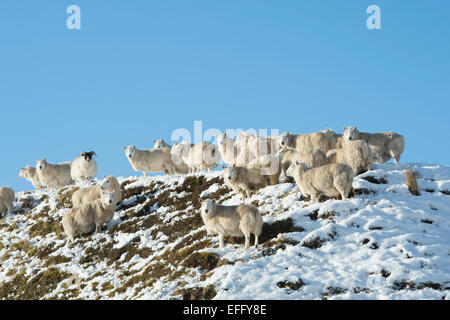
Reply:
x=320, y=163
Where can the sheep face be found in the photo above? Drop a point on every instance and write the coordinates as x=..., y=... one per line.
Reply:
x=159, y=144
x=106, y=184
x=297, y=165
x=41, y=164
x=284, y=140
x=130, y=151
x=230, y=173
x=22, y=173
x=351, y=133
x=87, y=156
x=206, y=208
x=108, y=198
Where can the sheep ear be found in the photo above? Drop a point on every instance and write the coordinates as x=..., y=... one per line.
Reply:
x=93, y=153
x=154, y=140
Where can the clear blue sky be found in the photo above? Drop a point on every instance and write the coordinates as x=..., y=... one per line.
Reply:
x=137, y=70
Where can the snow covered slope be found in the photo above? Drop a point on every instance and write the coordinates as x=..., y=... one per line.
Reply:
x=383, y=243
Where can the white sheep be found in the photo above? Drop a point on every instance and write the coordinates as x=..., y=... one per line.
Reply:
x=276, y=165
x=89, y=216
x=86, y=195
x=180, y=166
x=236, y=221
x=337, y=136
x=331, y=180
x=197, y=157
x=159, y=144
x=319, y=140
x=242, y=180
x=84, y=167
x=150, y=160
x=7, y=197
x=384, y=145
x=54, y=175
x=355, y=153
x=31, y=175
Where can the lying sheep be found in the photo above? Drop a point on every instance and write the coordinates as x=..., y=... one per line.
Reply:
x=54, y=175
x=354, y=153
x=236, y=221
x=180, y=166
x=331, y=180
x=31, y=175
x=7, y=197
x=89, y=216
x=197, y=157
x=319, y=140
x=84, y=167
x=384, y=145
x=150, y=160
x=86, y=195
x=242, y=180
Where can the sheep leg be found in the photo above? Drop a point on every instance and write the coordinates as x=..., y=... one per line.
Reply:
x=221, y=241
x=145, y=173
x=97, y=228
x=247, y=240
x=256, y=240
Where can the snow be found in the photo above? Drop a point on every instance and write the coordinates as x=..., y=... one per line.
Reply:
x=370, y=243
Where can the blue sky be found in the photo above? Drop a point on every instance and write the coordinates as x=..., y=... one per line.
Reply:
x=137, y=70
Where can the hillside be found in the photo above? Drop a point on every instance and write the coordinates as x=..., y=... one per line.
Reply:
x=383, y=243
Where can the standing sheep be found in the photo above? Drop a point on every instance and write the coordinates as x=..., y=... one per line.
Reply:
x=84, y=167
x=89, y=216
x=198, y=157
x=7, y=197
x=86, y=195
x=384, y=145
x=331, y=180
x=320, y=140
x=54, y=175
x=355, y=153
x=180, y=166
x=242, y=180
x=31, y=175
x=149, y=160
x=236, y=221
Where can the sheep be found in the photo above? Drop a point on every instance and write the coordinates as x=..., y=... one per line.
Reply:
x=84, y=167
x=54, y=175
x=242, y=180
x=233, y=151
x=86, y=195
x=355, y=153
x=236, y=221
x=159, y=144
x=329, y=180
x=320, y=140
x=180, y=166
x=198, y=157
x=150, y=160
x=384, y=145
x=253, y=146
x=276, y=165
x=89, y=216
x=31, y=175
x=337, y=136
x=7, y=197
